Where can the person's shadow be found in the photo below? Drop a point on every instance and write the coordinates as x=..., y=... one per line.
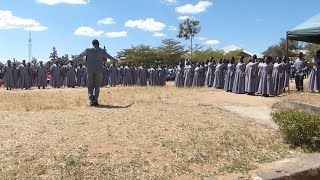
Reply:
x=107, y=106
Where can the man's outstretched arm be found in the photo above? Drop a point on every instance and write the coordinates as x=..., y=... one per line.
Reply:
x=106, y=55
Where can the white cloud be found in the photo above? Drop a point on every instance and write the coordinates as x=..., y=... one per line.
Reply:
x=202, y=38
x=183, y=17
x=212, y=42
x=157, y=34
x=106, y=21
x=169, y=1
x=55, y=2
x=116, y=34
x=147, y=25
x=200, y=7
x=87, y=31
x=172, y=28
x=9, y=21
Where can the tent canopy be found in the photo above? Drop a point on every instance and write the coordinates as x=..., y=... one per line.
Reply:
x=308, y=31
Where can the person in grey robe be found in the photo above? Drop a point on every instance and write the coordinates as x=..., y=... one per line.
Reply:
x=105, y=76
x=153, y=76
x=114, y=75
x=63, y=76
x=300, y=67
x=188, y=78
x=24, y=76
x=286, y=75
x=95, y=58
x=79, y=75
x=8, y=79
x=277, y=74
x=41, y=76
x=15, y=76
x=55, y=71
x=71, y=76
x=314, y=80
x=218, y=75
x=143, y=75
x=266, y=83
x=127, y=78
x=121, y=72
x=197, y=76
x=229, y=77
x=161, y=76
x=179, y=79
x=84, y=76
x=247, y=75
x=31, y=77
x=210, y=73
x=239, y=78
x=252, y=74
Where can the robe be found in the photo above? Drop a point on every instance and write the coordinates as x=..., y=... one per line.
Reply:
x=229, y=77
x=143, y=76
x=70, y=76
x=78, y=76
x=239, y=79
x=277, y=79
x=210, y=75
x=25, y=77
x=314, y=79
x=153, y=76
x=84, y=76
x=252, y=73
x=219, y=76
x=8, y=79
x=55, y=76
x=41, y=76
x=266, y=82
x=179, y=79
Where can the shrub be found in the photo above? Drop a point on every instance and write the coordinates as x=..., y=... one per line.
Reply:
x=299, y=128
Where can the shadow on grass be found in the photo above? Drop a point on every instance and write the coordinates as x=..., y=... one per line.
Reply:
x=108, y=106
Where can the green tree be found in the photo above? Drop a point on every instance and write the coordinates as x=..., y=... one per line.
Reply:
x=54, y=55
x=34, y=62
x=170, y=50
x=280, y=49
x=311, y=50
x=139, y=54
x=188, y=30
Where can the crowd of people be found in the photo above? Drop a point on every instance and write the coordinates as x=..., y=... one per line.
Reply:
x=267, y=76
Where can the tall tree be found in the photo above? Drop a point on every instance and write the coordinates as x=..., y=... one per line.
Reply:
x=188, y=30
x=139, y=54
x=171, y=51
x=280, y=49
x=311, y=50
x=34, y=62
x=54, y=55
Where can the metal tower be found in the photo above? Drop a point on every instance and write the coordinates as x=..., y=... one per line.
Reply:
x=30, y=46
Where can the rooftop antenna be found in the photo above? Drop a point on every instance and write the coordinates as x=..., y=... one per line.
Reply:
x=30, y=46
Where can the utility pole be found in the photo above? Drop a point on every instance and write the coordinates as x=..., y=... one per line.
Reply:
x=30, y=46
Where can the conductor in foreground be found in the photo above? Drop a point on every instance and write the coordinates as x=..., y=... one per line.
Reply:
x=95, y=58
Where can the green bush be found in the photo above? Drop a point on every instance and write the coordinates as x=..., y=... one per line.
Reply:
x=299, y=128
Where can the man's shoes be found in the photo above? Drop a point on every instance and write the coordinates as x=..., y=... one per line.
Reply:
x=94, y=104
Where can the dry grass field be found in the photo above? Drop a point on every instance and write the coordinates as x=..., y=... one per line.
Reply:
x=137, y=133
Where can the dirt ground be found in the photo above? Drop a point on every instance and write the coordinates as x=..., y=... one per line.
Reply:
x=136, y=133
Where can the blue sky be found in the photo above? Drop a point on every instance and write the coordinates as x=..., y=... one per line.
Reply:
x=70, y=25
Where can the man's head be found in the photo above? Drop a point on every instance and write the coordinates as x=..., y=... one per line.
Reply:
x=9, y=63
x=300, y=55
x=41, y=63
x=95, y=42
x=24, y=62
x=318, y=54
